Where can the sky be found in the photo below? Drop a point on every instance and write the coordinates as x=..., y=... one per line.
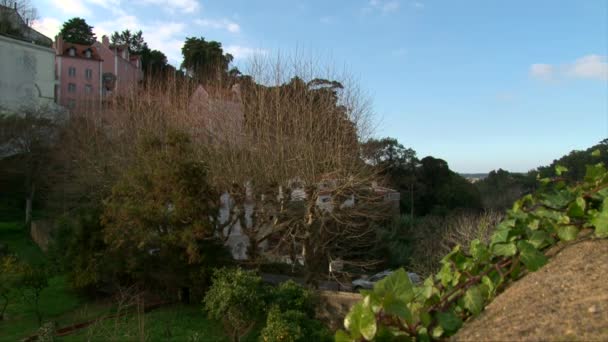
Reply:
x=482, y=84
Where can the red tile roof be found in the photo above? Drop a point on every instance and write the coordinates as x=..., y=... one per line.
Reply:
x=80, y=51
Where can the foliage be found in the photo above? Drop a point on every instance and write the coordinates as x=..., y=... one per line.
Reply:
x=576, y=162
x=134, y=41
x=11, y=272
x=501, y=188
x=291, y=296
x=292, y=326
x=77, y=31
x=469, y=279
x=160, y=216
x=205, y=60
x=236, y=296
x=34, y=280
x=28, y=135
x=78, y=250
x=153, y=62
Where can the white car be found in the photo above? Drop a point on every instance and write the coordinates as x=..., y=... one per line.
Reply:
x=368, y=282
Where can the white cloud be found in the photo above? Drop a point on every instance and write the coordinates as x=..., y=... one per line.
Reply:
x=383, y=6
x=418, y=4
x=50, y=27
x=242, y=52
x=72, y=7
x=543, y=71
x=390, y=6
x=326, y=19
x=221, y=24
x=587, y=67
x=590, y=66
x=185, y=6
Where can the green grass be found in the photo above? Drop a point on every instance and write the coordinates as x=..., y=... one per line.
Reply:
x=60, y=304
x=171, y=323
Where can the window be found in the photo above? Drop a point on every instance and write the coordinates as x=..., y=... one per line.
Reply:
x=88, y=73
x=71, y=88
x=88, y=88
x=72, y=72
x=72, y=52
x=87, y=53
x=71, y=103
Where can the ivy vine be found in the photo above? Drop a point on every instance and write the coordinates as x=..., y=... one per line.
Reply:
x=396, y=309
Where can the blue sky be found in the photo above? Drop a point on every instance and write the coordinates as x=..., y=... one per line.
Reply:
x=483, y=84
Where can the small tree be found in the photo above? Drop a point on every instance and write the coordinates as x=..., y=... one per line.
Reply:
x=34, y=281
x=77, y=31
x=237, y=298
x=28, y=135
x=134, y=41
x=11, y=271
x=160, y=215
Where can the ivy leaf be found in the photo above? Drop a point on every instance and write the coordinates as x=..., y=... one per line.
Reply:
x=449, y=322
x=398, y=284
x=361, y=321
x=500, y=235
x=342, y=336
x=596, y=153
x=600, y=220
x=530, y=256
x=399, y=309
x=560, y=169
x=567, y=233
x=479, y=251
x=577, y=208
x=473, y=300
x=504, y=249
x=594, y=172
x=539, y=238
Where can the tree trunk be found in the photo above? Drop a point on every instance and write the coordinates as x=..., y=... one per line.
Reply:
x=28, y=206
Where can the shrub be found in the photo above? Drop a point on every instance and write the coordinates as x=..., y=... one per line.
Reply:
x=236, y=297
x=293, y=326
x=291, y=296
x=11, y=272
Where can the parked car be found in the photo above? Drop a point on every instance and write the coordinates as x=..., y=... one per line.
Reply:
x=366, y=282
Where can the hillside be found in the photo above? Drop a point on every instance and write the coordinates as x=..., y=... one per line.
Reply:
x=567, y=300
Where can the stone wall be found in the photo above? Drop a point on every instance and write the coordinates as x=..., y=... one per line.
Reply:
x=333, y=307
x=41, y=233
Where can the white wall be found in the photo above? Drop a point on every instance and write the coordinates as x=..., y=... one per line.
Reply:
x=27, y=74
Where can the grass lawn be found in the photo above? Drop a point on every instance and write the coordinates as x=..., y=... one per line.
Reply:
x=60, y=304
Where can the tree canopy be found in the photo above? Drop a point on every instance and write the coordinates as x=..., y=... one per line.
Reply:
x=77, y=31
x=135, y=41
x=205, y=60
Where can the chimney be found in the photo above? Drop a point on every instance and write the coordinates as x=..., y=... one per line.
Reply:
x=105, y=41
x=59, y=44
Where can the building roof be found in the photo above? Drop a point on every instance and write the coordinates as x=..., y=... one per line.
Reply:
x=13, y=26
x=80, y=51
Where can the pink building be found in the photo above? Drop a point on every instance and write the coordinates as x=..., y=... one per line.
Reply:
x=87, y=74
x=121, y=70
x=79, y=70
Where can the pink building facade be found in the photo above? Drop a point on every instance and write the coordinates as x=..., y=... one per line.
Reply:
x=88, y=74
x=79, y=71
x=121, y=70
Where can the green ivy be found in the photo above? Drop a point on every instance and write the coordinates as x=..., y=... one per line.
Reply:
x=469, y=279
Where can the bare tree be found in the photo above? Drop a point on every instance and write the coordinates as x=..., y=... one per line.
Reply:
x=24, y=8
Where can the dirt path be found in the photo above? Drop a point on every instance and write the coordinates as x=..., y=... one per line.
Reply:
x=567, y=300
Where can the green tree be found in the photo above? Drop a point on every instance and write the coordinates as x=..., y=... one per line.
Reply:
x=28, y=135
x=153, y=62
x=160, y=216
x=34, y=280
x=237, y=298
x=205, y=60
x=135, y=41
x=77, y=31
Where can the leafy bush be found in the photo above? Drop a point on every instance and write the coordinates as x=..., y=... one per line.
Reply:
x=236, y=297
x=293, y=326
x=291, y=296
x=11, y=273
x=469, y=279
